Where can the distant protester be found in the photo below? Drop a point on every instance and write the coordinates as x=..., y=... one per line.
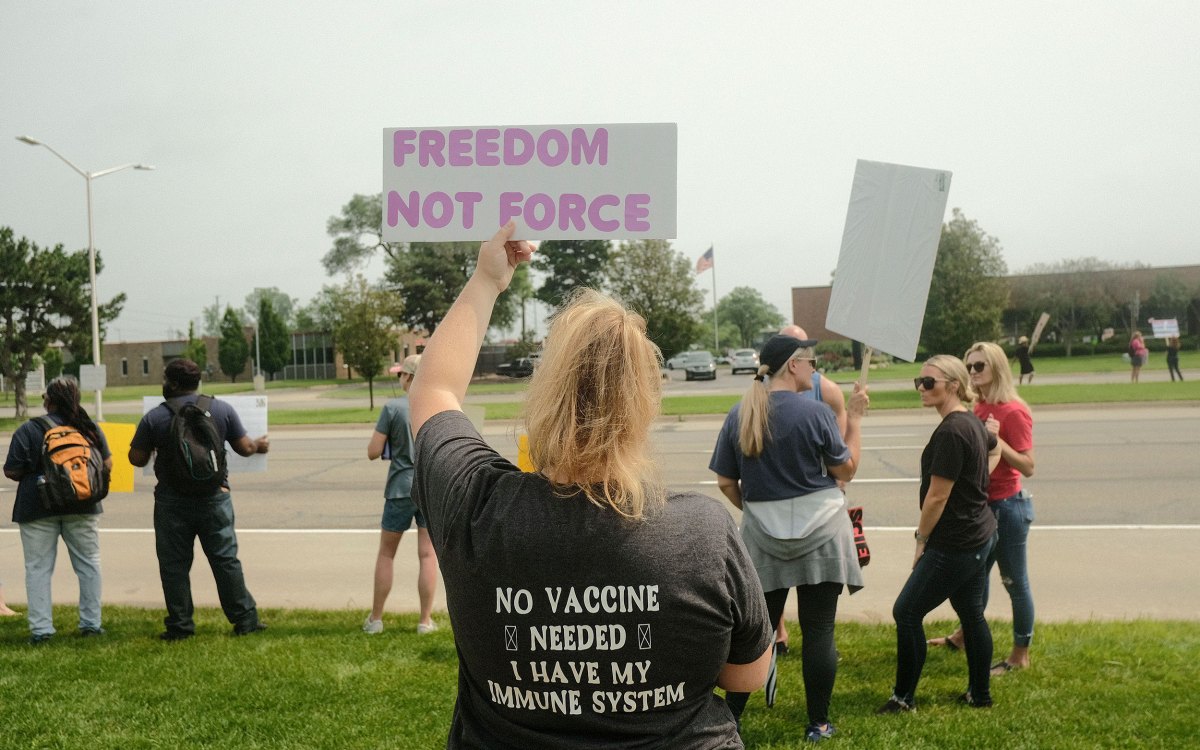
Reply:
x=588, y=555
x=1138, y=354
x=1023, y=359
x=1173, y=358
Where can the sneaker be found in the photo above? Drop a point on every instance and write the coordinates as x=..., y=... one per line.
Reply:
x=426, y=628
x=257, y=627
x=37, y=639
x=89, y=632
x=818, y=732
x=771, y=687
x=372, y=627
x=895, y=706
x=174, y=635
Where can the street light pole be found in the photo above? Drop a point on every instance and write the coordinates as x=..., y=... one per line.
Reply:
x=88, y=177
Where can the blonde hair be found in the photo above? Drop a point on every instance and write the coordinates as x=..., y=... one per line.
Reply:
x=591, y=402
x=955, y=372
x=1001, y=390
x=754, y=413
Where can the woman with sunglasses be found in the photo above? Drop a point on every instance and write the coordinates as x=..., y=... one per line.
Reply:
x=778, y=459
x=1007, y=417
x=954, y=536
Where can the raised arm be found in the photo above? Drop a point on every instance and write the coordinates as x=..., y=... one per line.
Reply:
x=449, y=358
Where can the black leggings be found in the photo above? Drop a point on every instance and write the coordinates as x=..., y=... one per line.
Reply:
x=817, y=604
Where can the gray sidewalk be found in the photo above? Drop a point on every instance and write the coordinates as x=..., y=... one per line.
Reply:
x=1077, y=573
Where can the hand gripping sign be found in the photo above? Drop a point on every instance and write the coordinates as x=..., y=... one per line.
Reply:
x=558, y=181
x=889, y=245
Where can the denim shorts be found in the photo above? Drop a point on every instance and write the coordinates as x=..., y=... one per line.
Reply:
x=399, y=513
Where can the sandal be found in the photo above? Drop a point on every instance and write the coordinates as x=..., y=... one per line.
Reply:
x=1002, y=668
x=944, y=641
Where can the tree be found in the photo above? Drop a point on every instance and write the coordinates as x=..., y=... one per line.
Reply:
x=1073, y=292
x=274, y=339
x=362, y=332
x=730, y=337
x=968, y=292
x=658, y=283
x=281, y=304
x=746, y=309
x=195, y=349
x=211, y=317
x=428, y=276
x=569, y=264
x=1169, y=299
x=520, y=291
x=233, y=348
x=357, y=233
x=44, y=297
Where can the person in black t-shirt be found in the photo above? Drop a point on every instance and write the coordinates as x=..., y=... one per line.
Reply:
x=954, y=536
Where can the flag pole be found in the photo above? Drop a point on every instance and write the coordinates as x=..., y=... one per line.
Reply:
x=716, y=328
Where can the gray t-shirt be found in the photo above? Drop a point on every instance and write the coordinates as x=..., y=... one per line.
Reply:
x=804, y=440
x=578, y=628
x=394, y=421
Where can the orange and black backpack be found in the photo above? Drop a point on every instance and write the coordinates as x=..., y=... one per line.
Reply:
x=73, y=477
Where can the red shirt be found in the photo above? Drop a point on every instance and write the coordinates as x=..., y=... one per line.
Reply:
x=1016, y=429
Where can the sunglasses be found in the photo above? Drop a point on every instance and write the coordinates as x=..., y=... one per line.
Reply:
x=927, y=382
x=976, y=366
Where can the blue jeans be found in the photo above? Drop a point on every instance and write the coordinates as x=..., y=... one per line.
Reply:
x=961, y=577
x=1014, y=516
x=178, y=521
x=39, y=540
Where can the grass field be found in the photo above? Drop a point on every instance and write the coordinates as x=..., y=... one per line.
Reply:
x=314, y=681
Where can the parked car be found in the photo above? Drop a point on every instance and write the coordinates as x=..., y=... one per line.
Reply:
x=681, y=360
x=521, y=367
x=744, y=359
x=723, y=359
x=700, y=366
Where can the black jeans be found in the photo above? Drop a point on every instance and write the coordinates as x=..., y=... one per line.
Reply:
x=817, y=605
x=178, y=521
x=961, y=577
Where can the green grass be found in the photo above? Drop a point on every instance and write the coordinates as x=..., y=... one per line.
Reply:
x=314, y=681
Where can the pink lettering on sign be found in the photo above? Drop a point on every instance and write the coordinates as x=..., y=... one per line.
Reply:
x=572, y=210
x=436, y=210
x=493, y=147
x=599, y=222
x=637, y=210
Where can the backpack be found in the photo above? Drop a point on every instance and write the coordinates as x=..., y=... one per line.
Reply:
x=193, y=463
x=73, y=478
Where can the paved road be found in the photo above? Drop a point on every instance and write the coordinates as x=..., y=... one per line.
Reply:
x=1117, y=534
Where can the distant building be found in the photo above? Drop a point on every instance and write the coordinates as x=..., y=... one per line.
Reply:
x=810, y=304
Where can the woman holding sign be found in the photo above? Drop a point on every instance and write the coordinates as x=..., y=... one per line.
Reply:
x=591, y=607
x=778, y=459
x=1007, y=417
x=955, y=536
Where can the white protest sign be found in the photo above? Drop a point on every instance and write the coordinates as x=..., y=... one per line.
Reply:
x=1037, y=330
x=889, y=245
x=1165, y=328
x=557, y=181
x=252, y=410
x=93, y=377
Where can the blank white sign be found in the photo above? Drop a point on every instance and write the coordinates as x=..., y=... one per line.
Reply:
x=889, y=245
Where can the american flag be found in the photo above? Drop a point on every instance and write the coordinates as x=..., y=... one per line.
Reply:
x=705, y=262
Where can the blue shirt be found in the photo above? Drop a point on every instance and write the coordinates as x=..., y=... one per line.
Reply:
x=154, y=431
x=804, y=440
x=395, y=422
x=25, y=454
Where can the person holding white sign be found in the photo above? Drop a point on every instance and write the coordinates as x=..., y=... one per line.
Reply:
x=1173, y=358
x=779, y=458
x=591, y=607
x=955, y=536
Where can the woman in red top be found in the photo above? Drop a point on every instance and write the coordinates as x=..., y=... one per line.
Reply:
x=1137, y=355
x=1007, y=417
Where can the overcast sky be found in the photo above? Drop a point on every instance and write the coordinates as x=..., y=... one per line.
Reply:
x=1072, y=128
